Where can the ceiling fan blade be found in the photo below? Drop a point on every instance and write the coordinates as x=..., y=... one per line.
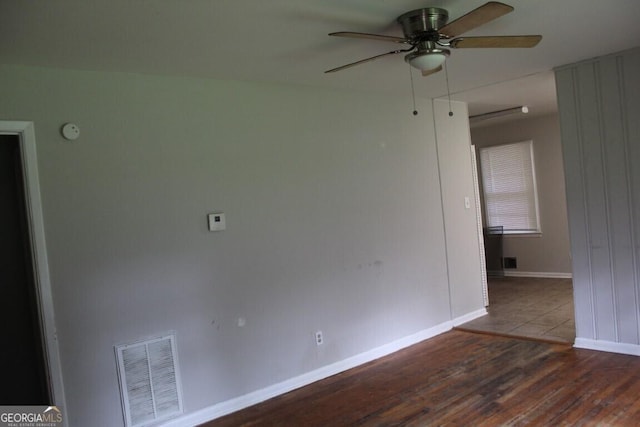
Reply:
x=426, y=73
x=362, y=61
x=495, y=41
x=379, y=37
x=475, y=18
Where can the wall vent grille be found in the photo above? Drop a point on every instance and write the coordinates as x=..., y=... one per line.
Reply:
x=149, y=380
x=510, y=262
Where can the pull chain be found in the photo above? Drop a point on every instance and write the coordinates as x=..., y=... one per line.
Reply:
x=413, y=92
x=446, y=74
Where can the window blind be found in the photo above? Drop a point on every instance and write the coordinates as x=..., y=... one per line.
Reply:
x=509, y=185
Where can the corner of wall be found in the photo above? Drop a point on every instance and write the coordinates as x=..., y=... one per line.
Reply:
x=463, y=250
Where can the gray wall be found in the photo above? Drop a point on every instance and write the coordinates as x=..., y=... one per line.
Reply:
x=334, y=223
x=599, y=109
x=549, y=252
x=464, y=269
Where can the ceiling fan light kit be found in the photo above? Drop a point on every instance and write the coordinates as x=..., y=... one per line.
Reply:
x=429, y=59
x=429, y=36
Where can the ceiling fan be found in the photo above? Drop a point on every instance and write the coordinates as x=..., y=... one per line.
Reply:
x=428, y=36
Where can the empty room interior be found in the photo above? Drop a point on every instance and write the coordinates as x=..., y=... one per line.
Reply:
x=321, y=213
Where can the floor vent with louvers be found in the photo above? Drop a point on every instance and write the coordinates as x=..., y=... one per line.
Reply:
x=149, y=381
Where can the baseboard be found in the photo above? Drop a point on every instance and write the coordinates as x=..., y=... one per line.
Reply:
x=469, y=317
x=541, y=274
x=608, y=346
x=241, y=402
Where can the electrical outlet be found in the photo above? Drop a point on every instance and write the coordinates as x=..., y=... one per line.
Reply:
x=319, y=338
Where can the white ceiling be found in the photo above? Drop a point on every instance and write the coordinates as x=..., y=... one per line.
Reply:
x=286, y=41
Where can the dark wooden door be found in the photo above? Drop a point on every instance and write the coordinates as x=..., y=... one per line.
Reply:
x=24, y=379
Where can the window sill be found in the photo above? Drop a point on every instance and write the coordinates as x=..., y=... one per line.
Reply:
x=522, y=234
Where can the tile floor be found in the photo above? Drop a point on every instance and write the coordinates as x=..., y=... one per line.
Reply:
x=528, y=307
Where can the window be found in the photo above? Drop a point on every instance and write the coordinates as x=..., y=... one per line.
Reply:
x=509, y=185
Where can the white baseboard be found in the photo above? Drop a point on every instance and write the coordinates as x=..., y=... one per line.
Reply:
x=469, y=317
x=541, y=274
x=241, y=402
x=608, y=346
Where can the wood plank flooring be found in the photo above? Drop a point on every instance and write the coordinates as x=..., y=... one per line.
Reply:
x=463, y=379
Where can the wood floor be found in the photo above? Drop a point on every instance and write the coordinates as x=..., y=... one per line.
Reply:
x=465, y=379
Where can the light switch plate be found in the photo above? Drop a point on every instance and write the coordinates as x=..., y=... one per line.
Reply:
x=216, y=221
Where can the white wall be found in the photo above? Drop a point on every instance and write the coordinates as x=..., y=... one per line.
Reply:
x=334, y=222
x=549, y=252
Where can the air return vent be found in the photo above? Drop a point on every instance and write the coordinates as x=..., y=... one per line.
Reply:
x=510, y=262
x=149, y=381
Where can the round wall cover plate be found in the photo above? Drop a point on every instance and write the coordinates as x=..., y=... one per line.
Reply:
x=70, y=131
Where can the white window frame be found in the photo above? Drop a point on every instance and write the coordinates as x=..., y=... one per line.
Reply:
x=536, y=230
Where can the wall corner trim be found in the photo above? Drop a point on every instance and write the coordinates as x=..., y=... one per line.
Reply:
x=608, y=346
x=223, y=408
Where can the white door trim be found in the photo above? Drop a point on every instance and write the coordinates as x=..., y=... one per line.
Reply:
x=26, y=134
x=483, y=255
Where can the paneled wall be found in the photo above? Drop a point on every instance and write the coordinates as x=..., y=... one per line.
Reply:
x=599, y=103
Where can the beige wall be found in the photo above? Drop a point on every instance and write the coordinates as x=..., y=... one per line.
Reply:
x=548, y=253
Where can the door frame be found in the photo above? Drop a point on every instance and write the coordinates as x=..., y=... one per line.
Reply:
x=479, y=220
x=27, y=142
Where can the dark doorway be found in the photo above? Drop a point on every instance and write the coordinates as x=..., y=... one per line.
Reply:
x=22, y=354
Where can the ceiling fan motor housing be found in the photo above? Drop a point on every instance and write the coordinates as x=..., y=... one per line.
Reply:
x=423, y=24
